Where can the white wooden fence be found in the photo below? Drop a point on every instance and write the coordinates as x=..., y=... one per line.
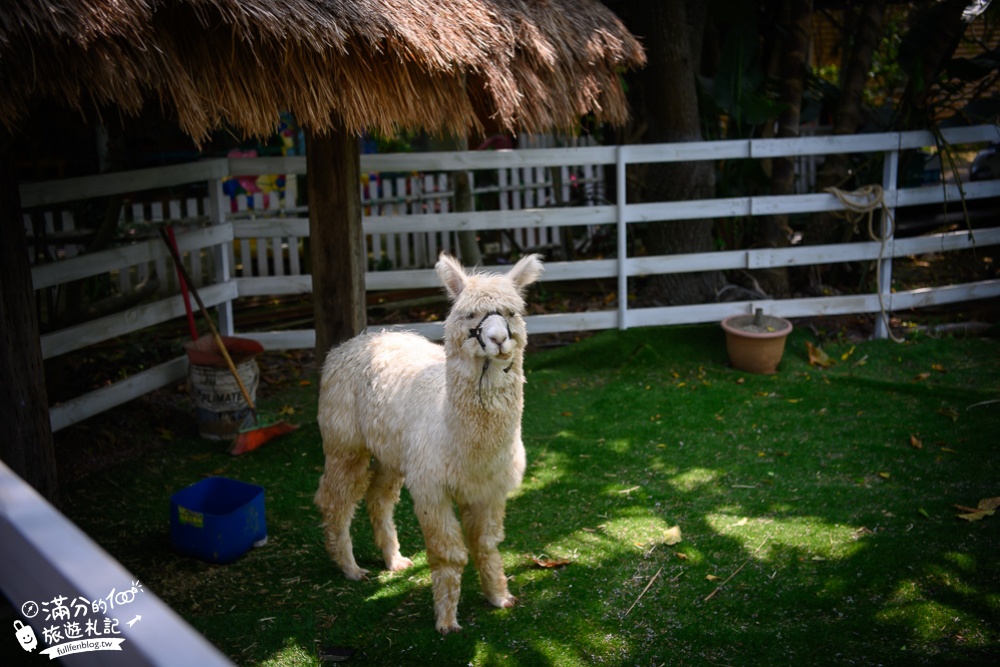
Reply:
x=424, y=213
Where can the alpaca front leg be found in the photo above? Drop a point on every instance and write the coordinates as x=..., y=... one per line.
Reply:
x=381, y=499
x=483, y=524
x=342, y=485
x=447, y=557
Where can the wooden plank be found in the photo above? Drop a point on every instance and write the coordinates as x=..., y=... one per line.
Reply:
x=705, y=261
x=936, y=296
x=810, y=203
x=684, y=152
x=116, y=259
x=715, y=312
x=764, y=258
x=484, y=220
x=473, y=160
x=47, y=193
x=284, y=340
x=273, y=286
x=946, y=242
x=683, y=210
x=129, y=321
x=77, y=409
x=933, y=194
x=570, y=322
x=960, y=135
x=825, y=145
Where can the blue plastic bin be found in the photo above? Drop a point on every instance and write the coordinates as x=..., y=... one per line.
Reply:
x=217, y=519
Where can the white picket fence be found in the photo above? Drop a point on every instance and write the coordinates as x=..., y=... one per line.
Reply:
x=420, y=220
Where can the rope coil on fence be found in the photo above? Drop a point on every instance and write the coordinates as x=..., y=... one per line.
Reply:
x=862, y=203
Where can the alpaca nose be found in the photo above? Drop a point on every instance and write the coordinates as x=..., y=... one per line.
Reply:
x=499, y=338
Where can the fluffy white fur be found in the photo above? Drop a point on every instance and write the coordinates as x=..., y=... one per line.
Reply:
x=396, y=409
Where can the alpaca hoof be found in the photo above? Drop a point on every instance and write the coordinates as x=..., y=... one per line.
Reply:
x=356, y=574
x=504, y=602
x=398, y=563
x=447, y=629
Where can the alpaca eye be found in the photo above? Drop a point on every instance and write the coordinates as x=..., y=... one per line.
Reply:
x=470, y=316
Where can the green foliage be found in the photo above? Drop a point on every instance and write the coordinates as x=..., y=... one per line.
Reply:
x=802, y=491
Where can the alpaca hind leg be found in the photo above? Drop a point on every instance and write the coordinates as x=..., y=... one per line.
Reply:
x=483, y=525
x=344, y=481
x=381, y=499
x=446, y=556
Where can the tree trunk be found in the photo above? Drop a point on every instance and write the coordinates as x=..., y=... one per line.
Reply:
x=774, y=231
x=336, y=241
x=931, y=42
x=669, y=105
x=831, y=228
x=25, y=431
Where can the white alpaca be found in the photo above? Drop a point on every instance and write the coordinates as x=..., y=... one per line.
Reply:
x=395, y=408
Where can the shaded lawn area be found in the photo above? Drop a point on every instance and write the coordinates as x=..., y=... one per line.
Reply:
x=821, y=498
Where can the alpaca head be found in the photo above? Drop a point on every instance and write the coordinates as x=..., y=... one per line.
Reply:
x=486, y=320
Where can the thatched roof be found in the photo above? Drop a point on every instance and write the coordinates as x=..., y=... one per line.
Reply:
x=382, y=64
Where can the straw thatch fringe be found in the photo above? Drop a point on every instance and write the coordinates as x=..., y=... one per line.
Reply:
x=381, y=64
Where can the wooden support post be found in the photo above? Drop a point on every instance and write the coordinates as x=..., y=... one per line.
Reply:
x=25, y=432
x=336, y=240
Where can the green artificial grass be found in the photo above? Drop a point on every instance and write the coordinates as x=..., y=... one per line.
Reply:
x=815, y=509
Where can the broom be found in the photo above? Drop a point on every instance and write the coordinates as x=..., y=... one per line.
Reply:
x=251, y=435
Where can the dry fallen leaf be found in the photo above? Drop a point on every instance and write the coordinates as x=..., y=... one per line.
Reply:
x=915, y=442
x=884, y=475
x=989, y=503
x=550, y=562
x=986, y=507
x=712, y=577
x=672, y=536
x=921, y=377
x=950, y=413
x=817, y=357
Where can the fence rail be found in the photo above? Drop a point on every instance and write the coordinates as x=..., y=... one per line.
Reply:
x=253, y=249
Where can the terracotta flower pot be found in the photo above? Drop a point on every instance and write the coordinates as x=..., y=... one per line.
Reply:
x=756, y=342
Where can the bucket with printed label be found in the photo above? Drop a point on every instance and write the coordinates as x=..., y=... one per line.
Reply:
x=220, y=408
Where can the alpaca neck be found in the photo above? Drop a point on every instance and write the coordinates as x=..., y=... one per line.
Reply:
x=476, y=384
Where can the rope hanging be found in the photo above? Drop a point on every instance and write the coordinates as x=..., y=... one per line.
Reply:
x=862, y=203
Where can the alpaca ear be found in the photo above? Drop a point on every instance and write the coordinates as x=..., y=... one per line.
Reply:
x=526, y=271
x=452, y=274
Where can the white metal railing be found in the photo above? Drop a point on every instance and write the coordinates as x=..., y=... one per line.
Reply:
x=49, y=563
x=281, y=229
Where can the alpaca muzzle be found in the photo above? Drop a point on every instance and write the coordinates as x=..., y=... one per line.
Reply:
x=494, y=331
